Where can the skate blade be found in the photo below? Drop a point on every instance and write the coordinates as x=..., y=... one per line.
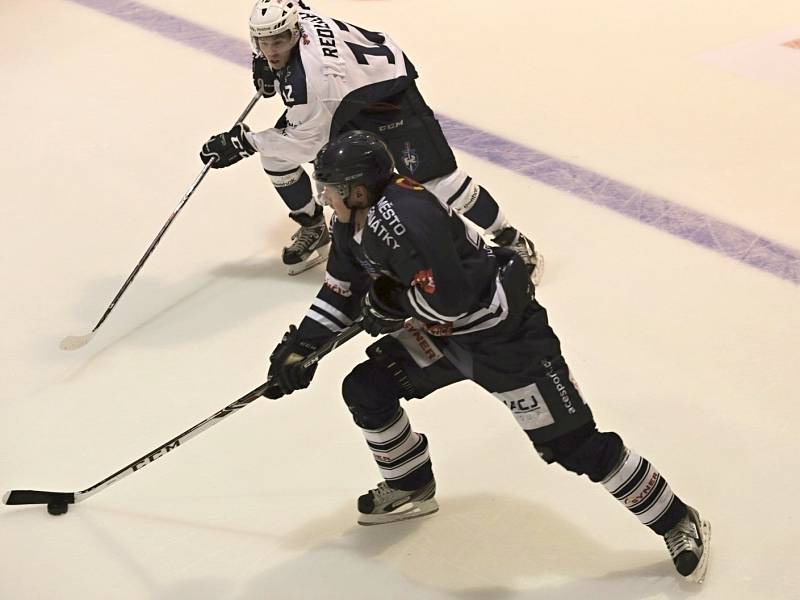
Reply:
x=413, y=510
x=320, y=255
x=699, y=574
x=538, y=270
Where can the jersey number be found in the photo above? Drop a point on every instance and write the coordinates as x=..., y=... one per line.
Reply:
x=286, y=92
x=361, y=52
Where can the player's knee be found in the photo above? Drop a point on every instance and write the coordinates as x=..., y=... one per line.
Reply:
x=293, y=186
x=289, y=177
x=584, y=451
x=371, y=395
x=466, y=196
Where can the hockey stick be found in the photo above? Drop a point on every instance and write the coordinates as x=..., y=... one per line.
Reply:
x=73, y=342
x=57, y=501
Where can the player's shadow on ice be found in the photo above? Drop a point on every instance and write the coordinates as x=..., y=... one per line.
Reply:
x=225, y=295
x=158, y=314
x=476, y=547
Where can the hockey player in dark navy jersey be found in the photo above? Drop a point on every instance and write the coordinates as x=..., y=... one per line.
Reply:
x=332, y=77
x=450, y=308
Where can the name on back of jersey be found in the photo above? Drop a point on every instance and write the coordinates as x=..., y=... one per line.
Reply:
x=327, y=40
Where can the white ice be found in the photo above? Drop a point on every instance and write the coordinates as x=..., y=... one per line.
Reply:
x=690, y=355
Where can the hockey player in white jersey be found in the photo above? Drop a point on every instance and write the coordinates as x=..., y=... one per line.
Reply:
x=333, y=77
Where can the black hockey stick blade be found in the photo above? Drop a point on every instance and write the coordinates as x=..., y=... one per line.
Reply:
x=38, y=497
x=269, y=389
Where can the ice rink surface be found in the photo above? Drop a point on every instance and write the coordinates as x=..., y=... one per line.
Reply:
x=650, y=149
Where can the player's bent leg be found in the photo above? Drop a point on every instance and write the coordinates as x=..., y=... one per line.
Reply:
x=583, y=451
x=460, y=192
x=310, y=243
x=372, y=393
x=422, y=152
x=292, y=184
x=406, y=364
x=560, y=424
x=639, y=487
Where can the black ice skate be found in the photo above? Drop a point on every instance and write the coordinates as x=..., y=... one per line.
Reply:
x=310, y=244
x=387, y=505
x=689, y=545
x=513, y=238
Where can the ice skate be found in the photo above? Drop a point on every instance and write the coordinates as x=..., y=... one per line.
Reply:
x=513, y=238
x=309, y=247
x=689, y=545
x=387, y=505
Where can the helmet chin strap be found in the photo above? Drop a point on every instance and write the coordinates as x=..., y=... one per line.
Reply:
x=297, y=33
x=353, y=209
x=345, y=190
x=346, y=197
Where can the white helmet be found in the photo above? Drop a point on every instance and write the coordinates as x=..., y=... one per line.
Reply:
x=271, y=17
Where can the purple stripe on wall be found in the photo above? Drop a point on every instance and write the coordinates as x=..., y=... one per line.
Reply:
x=665, y=215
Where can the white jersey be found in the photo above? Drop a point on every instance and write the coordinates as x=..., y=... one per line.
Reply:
x=335, y=70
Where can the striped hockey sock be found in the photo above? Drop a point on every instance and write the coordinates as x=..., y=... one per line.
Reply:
x=401, y=454
x=643, y=491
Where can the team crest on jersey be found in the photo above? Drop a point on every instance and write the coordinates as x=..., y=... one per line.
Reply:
x=409, y=184
x=424, y=280
x=410, y=158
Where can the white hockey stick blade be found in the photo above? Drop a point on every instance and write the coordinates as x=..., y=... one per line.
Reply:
x=73, y=342
x=318, y=256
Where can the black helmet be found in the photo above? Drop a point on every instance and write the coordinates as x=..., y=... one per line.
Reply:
x=355, y=158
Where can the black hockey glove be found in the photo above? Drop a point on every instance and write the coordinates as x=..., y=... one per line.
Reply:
x=263, y=78
x=227, y=148
x=380, y=311
x=284, y=371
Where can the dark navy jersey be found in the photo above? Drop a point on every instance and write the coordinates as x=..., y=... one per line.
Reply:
x=449, y=277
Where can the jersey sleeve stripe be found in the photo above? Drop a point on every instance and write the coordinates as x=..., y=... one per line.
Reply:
x=420, y=310
x=499, y=302
x=324, y=321
x=418, y=300
x=332, y=312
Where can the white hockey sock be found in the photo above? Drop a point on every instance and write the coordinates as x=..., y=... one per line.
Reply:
x=309, y=209
x=640, y=488
x=397, y=449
